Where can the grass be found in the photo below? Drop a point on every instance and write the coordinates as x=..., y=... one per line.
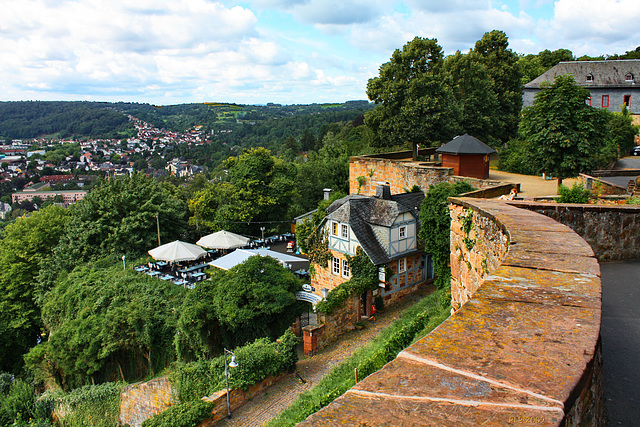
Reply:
x=414, y=323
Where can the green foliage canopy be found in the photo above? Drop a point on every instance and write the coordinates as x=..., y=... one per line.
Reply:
x=25, y=244
x=105, y=324
x=565, y=133
x=435, y=225
x=415, y=102
x=119, y=217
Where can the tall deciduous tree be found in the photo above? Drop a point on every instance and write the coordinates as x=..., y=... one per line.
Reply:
x=256, y=191
x=121, y=216
x=414, y=96
x=474, y=89
x=502, y=63
x=25, y=244
x=565, y=133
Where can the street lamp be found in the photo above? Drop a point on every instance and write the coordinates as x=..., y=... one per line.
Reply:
x=232, y=364
x=124, y=265
x=262, y=229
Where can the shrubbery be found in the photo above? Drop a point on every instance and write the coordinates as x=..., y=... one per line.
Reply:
x=256, y=361
x=182, y=415
x=576, y=194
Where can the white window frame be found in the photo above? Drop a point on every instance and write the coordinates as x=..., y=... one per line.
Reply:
x=402, y=265
x=344, y=231
x=589, y=78
x=334, y=228
x=335, y=266
x=628, y=77
x=402, y=232
x=345, y=268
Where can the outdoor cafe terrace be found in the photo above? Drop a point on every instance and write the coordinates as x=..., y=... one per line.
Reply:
x=184, y=264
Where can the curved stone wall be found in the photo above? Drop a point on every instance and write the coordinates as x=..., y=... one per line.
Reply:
x=523, y=348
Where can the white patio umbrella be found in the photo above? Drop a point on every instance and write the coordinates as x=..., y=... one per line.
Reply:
x=223, y=240
x=177, y=251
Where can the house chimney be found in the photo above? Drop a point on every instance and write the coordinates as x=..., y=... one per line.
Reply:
x=327, y=193
x=383, y=191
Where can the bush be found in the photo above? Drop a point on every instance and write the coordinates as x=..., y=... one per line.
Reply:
x=17, y=404
x=576, y=194
x=92, y=405
x=188, y=414
x=256, y=361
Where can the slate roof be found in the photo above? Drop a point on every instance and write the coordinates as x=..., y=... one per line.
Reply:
x=364, y=212
x=610, y=73
x=465, y=144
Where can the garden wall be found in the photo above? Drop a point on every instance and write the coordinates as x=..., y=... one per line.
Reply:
x=143, y=400
x=523, y=346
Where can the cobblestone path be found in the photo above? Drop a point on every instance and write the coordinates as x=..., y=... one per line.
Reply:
x=279, y=396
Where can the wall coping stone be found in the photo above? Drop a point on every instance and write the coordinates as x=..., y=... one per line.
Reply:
x=520, y=351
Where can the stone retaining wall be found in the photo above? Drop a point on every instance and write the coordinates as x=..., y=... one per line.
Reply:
x=143, y=400
x=523, y=349
x=612, y=231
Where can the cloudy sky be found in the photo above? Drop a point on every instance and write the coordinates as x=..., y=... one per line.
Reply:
x=258, y=51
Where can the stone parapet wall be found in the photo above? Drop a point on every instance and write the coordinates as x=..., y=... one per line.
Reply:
x=342, y=320
x=613, y=231
x=523, y=350
x=474, y=254
x=143, y=400
x=401, y=175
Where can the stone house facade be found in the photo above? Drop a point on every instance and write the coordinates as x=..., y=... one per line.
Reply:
x=386, y=227
x=611, y=83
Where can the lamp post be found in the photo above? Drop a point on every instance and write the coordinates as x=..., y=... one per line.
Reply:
x=124, y=265
x=262, y=229
x=232, y=364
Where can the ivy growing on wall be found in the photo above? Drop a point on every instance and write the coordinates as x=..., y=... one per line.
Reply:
x=364, y=276
x=436, y=222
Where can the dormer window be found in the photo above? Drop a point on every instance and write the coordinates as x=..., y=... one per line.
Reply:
x=628, y=77
x=589, y=78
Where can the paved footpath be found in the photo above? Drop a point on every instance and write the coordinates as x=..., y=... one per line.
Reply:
x=279, y=396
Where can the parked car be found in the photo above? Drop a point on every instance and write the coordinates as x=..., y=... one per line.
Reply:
x=635, y=151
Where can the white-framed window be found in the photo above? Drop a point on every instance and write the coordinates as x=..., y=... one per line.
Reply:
x=403, y=232
x=402, y=265
x=336, y=265
x=334, y=228
x=345, y=268
x=628, y=77
x=344, y=231
x=589, y=77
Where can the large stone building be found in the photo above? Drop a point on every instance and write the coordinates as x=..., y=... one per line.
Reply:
x=611, y=83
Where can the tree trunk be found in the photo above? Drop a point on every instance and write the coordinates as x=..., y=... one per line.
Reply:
x=559, y=184
x=415, y=151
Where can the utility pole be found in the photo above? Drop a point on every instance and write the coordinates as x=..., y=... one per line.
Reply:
x=158, y=227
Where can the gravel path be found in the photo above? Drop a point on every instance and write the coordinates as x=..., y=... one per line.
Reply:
x=310, y=370
x=530, y=186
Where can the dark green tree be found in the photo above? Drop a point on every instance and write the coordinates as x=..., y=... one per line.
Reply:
x=502, y=64
x=474, y=89
x=106, y=324
x=415, y=102
x=255, y=299
x=25, y=244
x=565, y=133
x=119, y=217
x=257, y=190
